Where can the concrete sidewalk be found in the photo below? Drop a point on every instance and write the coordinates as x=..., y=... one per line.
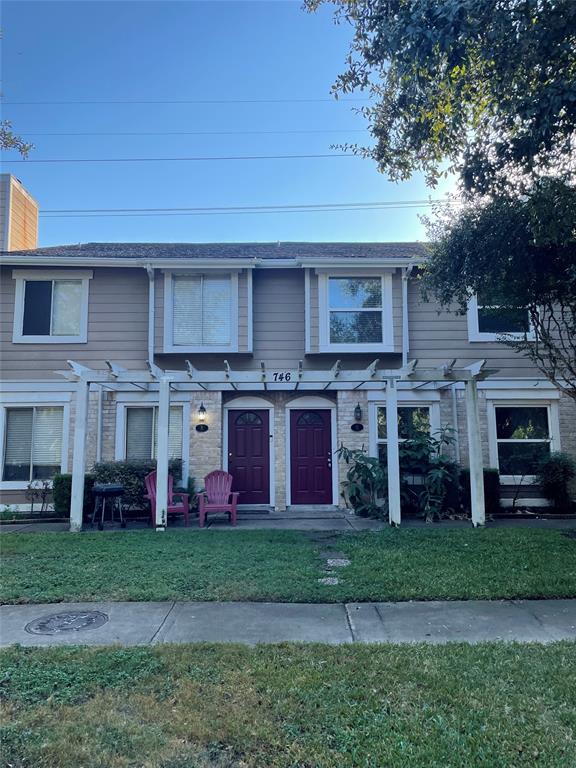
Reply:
x=470, y=621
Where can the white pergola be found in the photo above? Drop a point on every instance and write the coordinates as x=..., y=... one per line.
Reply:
x=336, y=378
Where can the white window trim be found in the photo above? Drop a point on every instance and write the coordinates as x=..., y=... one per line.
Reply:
x=31, y=402
x=553, y=425
x=474, y=334
x=387, y=344
x=149, y=400
x=21, y=276
x=169, y=345
x=404, y=401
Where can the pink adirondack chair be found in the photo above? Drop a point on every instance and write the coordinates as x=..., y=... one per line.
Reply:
x=217, y=497
x=174, y=508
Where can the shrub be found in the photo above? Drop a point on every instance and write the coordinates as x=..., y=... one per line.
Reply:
x=365, y=483
x=554, y=476
x=62, y=493
x=131, y=475
x=491, y=490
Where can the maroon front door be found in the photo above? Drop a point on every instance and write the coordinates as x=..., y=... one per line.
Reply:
x=310, y=457
x=249, y=455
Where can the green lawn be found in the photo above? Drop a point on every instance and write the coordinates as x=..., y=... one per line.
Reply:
x=285, y=565
x=290, y=706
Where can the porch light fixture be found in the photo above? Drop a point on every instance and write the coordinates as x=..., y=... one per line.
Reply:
x=357, y=426
x=201, y=426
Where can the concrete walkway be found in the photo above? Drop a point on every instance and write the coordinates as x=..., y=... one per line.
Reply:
x=470, y=621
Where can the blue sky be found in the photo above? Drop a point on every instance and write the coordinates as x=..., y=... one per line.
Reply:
x=106, y=51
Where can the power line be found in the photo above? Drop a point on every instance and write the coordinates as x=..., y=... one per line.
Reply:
x=239, y=210
x=182, y=159
x=193, y=133
x=187, y=101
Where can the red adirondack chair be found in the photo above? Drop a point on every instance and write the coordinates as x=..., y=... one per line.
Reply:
x=217, y=497
x=174, y=508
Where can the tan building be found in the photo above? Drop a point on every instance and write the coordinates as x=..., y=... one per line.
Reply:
x=292, y=348
x=18, y=215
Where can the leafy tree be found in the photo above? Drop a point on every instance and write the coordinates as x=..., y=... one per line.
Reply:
x=9, y=140
x=522, y=253
x=483, y=88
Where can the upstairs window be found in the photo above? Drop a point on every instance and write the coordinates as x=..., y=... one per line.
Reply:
x=489, y=320
x=32, y=443
x=201, y=313
x=356, y=313
x=51, y=308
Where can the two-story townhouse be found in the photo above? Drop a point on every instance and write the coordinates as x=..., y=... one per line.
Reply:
x=283, y=350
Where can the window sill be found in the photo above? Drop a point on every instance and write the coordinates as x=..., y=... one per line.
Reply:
x=17, y=485
x=524, y=480
x=389, y=348
x=206, y=349
x=49, y=340
x=498, y=337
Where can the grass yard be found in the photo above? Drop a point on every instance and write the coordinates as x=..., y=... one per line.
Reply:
x=291, y=706
x=265, y=565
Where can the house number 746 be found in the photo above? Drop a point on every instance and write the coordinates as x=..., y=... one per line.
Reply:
x=282, y=375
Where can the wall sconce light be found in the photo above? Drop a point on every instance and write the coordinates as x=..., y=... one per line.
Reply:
x=201, y=426
x=357, y=426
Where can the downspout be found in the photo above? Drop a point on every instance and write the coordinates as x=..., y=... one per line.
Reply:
x=405, y=327
x=151, y=302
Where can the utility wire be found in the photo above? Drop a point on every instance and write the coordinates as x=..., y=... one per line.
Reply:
x=192, y=133
x=316, y=208
x=181, y=159
x=332, y=100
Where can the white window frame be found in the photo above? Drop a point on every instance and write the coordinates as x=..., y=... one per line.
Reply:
x=21, y=276
x=403, y=402
x=387, y=344
x=553, y=427
x=474, y=334
x=33, y=400
x=150, y=400
x=169, y=345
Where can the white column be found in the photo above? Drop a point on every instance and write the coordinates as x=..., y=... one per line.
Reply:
x=475, y=454
x=79, y=457
x=392, y=445
x=162, y=454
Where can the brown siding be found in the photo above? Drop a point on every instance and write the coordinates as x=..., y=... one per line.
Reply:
x=117, y=328
x=437, y=336
x=21, y=218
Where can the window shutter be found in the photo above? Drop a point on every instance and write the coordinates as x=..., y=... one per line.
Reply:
x=18, y=443
x=47, y=440
x=139, y=425
x=66, y=307
x=174, y=433
x=187, y=311
x=216, y=310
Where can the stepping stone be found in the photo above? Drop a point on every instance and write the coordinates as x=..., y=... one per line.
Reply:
x=329, y=581
x=338, y=562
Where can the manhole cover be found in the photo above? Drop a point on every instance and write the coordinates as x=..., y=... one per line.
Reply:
x=69, y=621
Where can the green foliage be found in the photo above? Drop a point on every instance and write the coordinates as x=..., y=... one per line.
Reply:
x=491, y=490
x=483, y=89
x=554, y=477
x=365, y=484
x=62, y=494
x=521, y=252
x=422, y=457
x=131, y=475
x=9, y=140
x=190, y=489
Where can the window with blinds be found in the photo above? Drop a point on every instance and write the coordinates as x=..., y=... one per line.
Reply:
x=52, y=308
x=32, y=443
x=141, y=433
x=202, y=310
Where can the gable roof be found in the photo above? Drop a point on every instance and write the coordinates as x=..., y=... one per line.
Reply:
x=143, y=252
